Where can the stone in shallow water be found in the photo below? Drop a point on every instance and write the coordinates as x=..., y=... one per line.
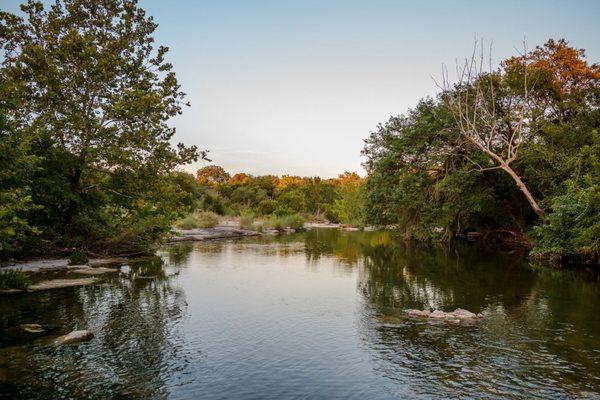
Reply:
x=438, y=314
x=32, y=328
x=61, y=283
x=461, y=313
x=418, y=313
x=75, y=337
x=94, y=271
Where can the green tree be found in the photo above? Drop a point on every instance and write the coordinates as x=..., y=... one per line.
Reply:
x=99, y=97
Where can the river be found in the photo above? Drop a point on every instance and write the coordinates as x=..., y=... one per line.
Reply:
x=314, y=315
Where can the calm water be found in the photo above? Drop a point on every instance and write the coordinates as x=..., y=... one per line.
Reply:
x=311, y=316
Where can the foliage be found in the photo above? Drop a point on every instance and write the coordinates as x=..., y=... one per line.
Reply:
x=312, y=197
x=247, y=221
x=426, y=178
x=203, y=219
x=280, y=223
x=212, y=175
x=13, y=279
x=94, y=164
x=78, y=258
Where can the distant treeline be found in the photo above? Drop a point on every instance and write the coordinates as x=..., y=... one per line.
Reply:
x=512, y=154
x=338, y=200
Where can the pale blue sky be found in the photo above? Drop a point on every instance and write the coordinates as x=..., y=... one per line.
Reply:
x=295, y=86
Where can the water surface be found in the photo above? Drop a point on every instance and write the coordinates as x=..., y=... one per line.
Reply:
x=311, y=316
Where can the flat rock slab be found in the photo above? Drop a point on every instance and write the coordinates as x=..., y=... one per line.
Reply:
x=94, y=271
x=61, y=283
x=455, y=316
x=75, y=337
x=218, y=232
x=59, y=264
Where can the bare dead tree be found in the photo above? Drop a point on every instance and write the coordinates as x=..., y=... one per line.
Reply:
x=495, y=125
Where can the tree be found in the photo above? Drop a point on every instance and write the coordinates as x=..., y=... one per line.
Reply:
x=497, y=125
x=212, y=175
x=497, y=112
x=98, y=99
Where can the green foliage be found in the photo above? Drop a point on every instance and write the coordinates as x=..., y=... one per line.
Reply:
x=204, y=219
x=427, y=179
x=267, y=206
x=13, y=279
x=349, y=207
x=247, y=221
x=79, y=258
x=280, y=223
x=91, y=162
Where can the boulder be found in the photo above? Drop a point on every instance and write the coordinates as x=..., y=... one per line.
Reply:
x=418, y=313
x=438, y=314
x=463, y=314
x=75, y=337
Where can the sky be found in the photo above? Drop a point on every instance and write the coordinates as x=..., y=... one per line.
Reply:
x=293, y=87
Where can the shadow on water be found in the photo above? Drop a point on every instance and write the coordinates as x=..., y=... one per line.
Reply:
x=134, y=318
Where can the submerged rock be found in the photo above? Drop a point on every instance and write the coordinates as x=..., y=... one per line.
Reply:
x=418, y=313
x=32, y=328
x=75, y=337
x=61, y=283
x=438, y=314
x=455, y=316
x=94, y=271
x=461, y=313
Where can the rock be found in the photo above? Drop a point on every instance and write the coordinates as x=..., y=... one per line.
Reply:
x=75, y=337
x=418, y=313
x=10, y=291
x=438, y=314
x=61, y=283
x=480, y=316
x=463, y=314
x=94, y=271
x=455, y=316
x=32, y=328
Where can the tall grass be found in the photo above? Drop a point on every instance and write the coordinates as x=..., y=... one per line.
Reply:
x=13, y=279
x=247, y=221
x=203, y=219
x=280, y=223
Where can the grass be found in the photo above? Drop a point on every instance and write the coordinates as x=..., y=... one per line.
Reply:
x=280, y=223
x=247, y=221
x=13, y=279
x=79, y=258
x=203, y=219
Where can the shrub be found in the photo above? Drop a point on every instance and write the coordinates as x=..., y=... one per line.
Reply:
x=267, y=207
x=294, y=221
x=78, y=258
x=247, y=221
x=204, y=219
x=13, y=279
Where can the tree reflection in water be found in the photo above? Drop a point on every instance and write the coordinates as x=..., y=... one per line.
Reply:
x=135, y=319
x=527, y=336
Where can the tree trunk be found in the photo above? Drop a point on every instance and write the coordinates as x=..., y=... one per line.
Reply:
x=523, y=188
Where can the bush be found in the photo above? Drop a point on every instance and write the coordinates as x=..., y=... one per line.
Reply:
x=13, y=279
x=571, y=232
x=247, y=221
x=294, y=221
x=78, y=258
x=204, y=219
x=267, y=207
x=280, y=223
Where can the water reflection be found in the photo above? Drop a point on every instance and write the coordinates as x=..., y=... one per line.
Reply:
x=540, y=332
x=135, y=318
x=312, y=315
